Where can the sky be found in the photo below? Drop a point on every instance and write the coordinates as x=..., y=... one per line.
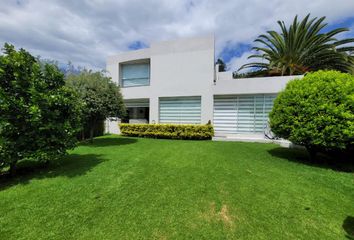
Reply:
x=85, y=32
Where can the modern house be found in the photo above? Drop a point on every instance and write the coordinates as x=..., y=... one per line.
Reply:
x=178, y=82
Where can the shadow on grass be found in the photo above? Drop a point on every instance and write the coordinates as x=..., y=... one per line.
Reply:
x=108, y=142
x=70, y=166
x=322, y=161
x=348, y=226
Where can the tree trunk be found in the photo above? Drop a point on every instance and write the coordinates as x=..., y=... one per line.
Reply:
x=91, y=134
x=12, y=170
x=312, y=152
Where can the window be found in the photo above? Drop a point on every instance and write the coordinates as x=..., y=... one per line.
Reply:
x=242, y=113
x=180, y=110
x=135, y=75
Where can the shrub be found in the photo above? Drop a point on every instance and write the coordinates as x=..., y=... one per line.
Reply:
x=173, y=131
x=317, y=112
x=102, y=98
x=39, y=116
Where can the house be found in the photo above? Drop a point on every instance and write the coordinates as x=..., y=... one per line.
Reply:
x=178, y=82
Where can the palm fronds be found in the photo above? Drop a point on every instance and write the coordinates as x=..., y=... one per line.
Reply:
x=302, y=47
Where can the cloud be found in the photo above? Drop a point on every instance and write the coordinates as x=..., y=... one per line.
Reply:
x=87, y=31
x=236, y=62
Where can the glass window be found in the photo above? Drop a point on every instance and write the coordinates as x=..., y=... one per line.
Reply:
x=135, y=75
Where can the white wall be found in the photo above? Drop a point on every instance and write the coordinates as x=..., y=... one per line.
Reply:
x=111, y=126
x=228, y=85
x=186, y=68
x=177, y=68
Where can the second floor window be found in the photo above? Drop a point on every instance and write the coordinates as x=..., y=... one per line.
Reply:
x=135, y=75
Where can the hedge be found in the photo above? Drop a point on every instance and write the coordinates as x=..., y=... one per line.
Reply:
x=317, y=112
x=172, y=131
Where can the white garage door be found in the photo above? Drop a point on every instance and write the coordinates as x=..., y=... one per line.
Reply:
x=242, y=113
x=181, y=110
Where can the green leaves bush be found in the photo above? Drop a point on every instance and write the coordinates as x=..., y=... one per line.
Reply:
x=317, y=111
x=39, y=116
x=102, y=98
x=172, y=131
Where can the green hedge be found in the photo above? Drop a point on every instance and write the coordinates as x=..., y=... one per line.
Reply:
x=317, y=112
x=173, y=131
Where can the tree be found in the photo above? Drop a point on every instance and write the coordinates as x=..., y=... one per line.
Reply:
x=317, y=112
x=39, y=116
x=102, y=97
x=222, y=65
x=301, y=48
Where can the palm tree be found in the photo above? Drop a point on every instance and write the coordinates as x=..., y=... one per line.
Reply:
x=302, y=47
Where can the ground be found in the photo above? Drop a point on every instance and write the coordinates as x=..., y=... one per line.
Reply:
x=130, y=188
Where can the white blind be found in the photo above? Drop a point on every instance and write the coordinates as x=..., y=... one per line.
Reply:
x=180, y=110
x=243, y=113
x=135, y=74
x=136, y=103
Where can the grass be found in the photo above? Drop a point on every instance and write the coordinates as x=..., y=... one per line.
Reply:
x=129, y=188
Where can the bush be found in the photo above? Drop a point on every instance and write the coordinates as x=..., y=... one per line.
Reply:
x=173, y=131
x=39, y=116
x=102, y=98
x=317, y=112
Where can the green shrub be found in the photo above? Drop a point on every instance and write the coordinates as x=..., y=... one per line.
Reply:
x=102, y=98
x=173, y=131
x=39, y=116
x=317, y=112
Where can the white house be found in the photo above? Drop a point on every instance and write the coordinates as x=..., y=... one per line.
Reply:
x=178, y=82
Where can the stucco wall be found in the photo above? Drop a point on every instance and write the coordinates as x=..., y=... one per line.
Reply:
x=229, y=85
x=177, y=68
x=186, y=68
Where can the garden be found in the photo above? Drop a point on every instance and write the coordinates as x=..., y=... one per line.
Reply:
x=62, y=178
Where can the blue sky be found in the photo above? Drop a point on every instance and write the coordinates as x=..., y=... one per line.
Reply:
x=85, y=32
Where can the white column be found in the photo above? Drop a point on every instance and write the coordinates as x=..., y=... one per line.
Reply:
x=154, y=110
x=207, y=108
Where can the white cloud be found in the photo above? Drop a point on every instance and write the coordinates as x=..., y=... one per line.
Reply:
x=87, y=31
x=236, y=62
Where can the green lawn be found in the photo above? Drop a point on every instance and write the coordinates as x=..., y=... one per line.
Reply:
x=129, y=188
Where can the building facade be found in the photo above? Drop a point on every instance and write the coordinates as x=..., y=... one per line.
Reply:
x=178, y=82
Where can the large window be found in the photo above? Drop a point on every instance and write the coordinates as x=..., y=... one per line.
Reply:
x=181, y=110
x=242, y=113
x=135, y=75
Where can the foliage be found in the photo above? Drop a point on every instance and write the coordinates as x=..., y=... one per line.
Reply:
x=316, y=111
x=173, y=131
x=301, y=48
x=39, y=116
x=222, y=65
x=254, y=74
x=102, y=97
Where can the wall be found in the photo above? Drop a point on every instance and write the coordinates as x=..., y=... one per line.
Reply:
x=111, y=126
x=177, y=68
x=186, y=68
x=227, y=85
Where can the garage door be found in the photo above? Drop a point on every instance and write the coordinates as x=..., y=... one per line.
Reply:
x=181, y=110
x=242, y=113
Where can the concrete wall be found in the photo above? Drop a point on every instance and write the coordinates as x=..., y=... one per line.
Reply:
x=227, y=85
x=186, y=68
x=111, y=126
x=177, y=68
